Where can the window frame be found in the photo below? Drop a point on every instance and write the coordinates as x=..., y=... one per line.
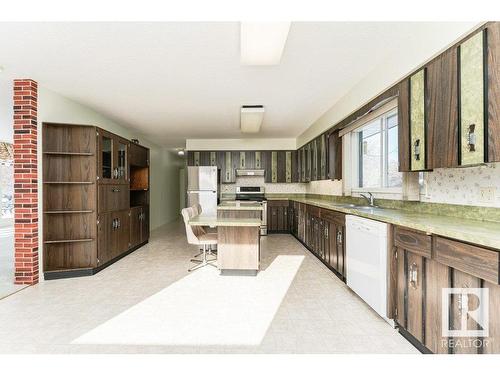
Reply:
x=356, y=157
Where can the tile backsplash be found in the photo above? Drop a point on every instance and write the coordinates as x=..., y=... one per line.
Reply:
x=476, y=186
x=325, y=187
x=297, y=188
x=473, y=186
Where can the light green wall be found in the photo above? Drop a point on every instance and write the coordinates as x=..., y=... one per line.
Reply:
x=165, y=164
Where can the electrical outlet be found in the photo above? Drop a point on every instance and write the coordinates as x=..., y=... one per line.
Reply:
x=487, y=194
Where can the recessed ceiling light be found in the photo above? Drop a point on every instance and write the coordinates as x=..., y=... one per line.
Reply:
x=262, y=43
x=251, y=118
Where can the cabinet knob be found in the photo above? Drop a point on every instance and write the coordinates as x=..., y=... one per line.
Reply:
x=471, y=138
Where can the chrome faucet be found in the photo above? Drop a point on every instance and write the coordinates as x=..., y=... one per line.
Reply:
x=370, y=199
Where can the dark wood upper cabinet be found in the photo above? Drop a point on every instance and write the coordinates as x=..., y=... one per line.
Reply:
x=138, y=155
x=493, y=64
x=281, y=166
x=442, y=110
x=334, y=156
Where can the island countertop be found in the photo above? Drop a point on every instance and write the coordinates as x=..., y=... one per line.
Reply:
x=239, y=206
x=214, y=221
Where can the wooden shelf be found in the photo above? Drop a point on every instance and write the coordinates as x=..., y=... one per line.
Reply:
x=52, y=212
x=69, y=182
x=69, y=241
x=64, y=153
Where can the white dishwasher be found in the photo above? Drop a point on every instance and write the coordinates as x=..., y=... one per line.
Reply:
x=366, y=261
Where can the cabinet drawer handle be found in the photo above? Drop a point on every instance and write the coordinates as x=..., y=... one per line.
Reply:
x=416, y=149
x=413, y=275
x=115, y=190
x=471, y=138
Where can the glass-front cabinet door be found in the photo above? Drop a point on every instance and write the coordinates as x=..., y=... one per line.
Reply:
x=121, y=160
x=112, y=158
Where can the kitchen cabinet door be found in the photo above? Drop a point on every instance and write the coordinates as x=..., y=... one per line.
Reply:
x=204, y=158
x=288, y=166
x=322, y=157
x=414, y=312
x=493, y=64
x=258, y=160
x=145, y=224
x=401, y=288
x=340, y=241
x=308, y=162
x=214, y=162
x=461, y=304
x=250, y=159
x=135, y=226
x=331, y=235
x=418, y=126
x=334, y=156
x=228, y=175
x=281, y=167
x=196, y=158
x=267, y=163
x=112, y=158
x=493, y=340
x=437, y=277
x=295, y=166
x=442, y=110
x=105, y=244
x=314, y=160
x=472, y=100
x=404, y=125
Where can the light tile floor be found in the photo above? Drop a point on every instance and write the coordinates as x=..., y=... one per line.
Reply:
x=318, y=313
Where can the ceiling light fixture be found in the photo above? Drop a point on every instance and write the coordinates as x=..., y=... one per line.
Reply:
x=262, y=43
x=251, y=118
x=180, y=152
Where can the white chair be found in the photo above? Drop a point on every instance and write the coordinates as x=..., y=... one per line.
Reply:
x=209, y=230
x=197, y=236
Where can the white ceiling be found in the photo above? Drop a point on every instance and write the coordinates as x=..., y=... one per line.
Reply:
x=172, y=81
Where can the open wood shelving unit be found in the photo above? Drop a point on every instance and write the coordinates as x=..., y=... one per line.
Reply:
x=69, y=197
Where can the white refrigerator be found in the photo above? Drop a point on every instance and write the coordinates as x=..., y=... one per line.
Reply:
x=202, y=189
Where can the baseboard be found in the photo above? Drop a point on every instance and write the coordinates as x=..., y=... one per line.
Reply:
x=412, y=340
x=54, y=275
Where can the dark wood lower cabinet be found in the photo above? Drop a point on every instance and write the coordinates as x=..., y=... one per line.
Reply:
x=113, y=234
x=420, y=292
x=277, y=216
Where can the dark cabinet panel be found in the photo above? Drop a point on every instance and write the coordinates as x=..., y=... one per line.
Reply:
x=437, y=277
x=460, y=304
x=414, y=312
x=113, y=197
x=138, y=155
x=493, y=64
x=334, y=156
x=135, y=226
x=442, y=110
x=281, y=167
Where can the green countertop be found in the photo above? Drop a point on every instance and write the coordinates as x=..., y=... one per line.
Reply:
x=239, y=206
x=213, y=221
x=484, y=233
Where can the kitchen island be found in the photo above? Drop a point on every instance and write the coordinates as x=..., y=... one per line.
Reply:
x=238, y=237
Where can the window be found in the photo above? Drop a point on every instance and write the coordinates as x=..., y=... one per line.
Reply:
x=375, y=154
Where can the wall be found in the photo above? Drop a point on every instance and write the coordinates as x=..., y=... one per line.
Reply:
x=53, y=107
x=241, y=144
x=6, y=112
x=463, y=185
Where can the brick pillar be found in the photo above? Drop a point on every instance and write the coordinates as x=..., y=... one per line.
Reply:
x=25, y=181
